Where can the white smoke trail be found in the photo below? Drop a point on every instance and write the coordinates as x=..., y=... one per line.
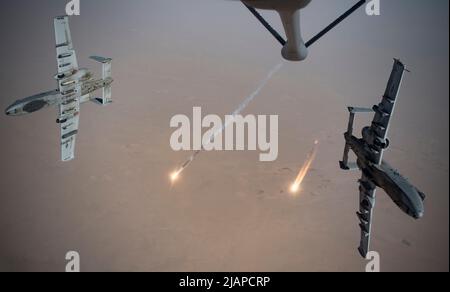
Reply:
x=237, y=112
x=248, y=100
x=260, y=87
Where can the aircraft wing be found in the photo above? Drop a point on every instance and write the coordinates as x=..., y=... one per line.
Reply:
x=69, y=116
x=367, y=192
x=384, y=111
x=65, y=53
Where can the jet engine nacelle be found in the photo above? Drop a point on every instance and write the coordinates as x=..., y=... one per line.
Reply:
x=371, y=139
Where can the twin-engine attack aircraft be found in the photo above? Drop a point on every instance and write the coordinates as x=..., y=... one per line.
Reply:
x=74, y=88
x=294, y=48
x=376, y=172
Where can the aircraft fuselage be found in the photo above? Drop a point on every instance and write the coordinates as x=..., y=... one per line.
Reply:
x=399, y=189
x=56, y=97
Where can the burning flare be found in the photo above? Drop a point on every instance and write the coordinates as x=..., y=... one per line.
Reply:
x=174, y=176
x=295, y=187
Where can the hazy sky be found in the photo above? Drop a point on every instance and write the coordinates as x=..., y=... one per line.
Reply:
x=171, y=55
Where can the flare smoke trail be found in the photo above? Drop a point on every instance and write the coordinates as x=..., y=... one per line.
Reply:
x=174, y=176
x=304, y=171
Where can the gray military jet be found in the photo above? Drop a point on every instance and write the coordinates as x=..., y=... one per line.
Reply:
x=376, y=172
x=75, y=86
x=294, y=48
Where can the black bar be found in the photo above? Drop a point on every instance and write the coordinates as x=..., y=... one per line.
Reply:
x=261, y=19
x=335, y=23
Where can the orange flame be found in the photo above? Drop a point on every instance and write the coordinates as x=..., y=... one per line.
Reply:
x=174, y=176
x=295, y=187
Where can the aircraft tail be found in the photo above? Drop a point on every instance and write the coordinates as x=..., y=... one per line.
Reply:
x=345, y=164
x=107, y=78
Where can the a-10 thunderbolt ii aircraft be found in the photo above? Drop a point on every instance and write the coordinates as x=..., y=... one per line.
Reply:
x=75, y=87
x=294, y=48
x=376, y=172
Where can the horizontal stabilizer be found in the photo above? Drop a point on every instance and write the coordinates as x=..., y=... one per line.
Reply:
x=355, y=110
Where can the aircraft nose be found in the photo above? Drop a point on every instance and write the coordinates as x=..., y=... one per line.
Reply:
x=11, y=110
x=419, y=215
